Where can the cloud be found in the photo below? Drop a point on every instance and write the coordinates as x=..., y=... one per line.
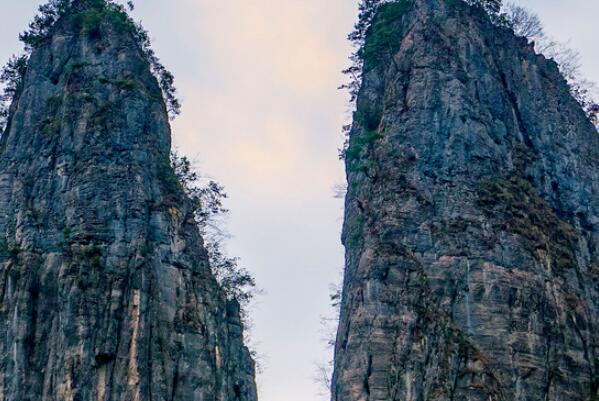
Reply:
x=287, y=42
x=262, y=112
x=265, y=93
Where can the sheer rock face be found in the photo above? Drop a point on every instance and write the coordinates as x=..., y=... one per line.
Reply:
x=472, y=220
x=105, y=289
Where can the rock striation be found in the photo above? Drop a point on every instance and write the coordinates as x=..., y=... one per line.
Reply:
x=472, y=219
x=106, y=293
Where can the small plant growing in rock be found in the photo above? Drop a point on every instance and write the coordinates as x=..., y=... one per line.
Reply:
x=93, y=254
x=8, y=250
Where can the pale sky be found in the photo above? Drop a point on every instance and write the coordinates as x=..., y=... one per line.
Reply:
x=263, y=116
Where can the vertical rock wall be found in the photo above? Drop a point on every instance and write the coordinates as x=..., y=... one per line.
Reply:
x=106, y=293
x=472, y=219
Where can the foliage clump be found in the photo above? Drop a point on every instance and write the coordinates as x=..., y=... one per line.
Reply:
x=11, y=77
x=92, y=254
x=367, y=12
x=383, y=37
x=359, y=143
x=90, y=20
x=208, y=209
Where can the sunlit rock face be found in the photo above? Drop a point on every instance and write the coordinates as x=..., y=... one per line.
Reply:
x=472, y=219
x=106, y=293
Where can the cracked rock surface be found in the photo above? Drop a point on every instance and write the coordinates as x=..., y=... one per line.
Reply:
x=472, y=219
x=106, y=293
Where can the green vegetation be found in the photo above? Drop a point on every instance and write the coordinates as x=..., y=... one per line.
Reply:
x=375, y=37
x=369, y=120
x=13, y=74
x=125, y=84
x=50, y=126
x=376, y=32
x=355, y=231
x=491, y=7
x=93, y=254
x=359, y=143
x=89, y=18
x=101, y=12
x=8, y=250
x=66, y=239
x=12, y=77
x=379, y=37
x=91, y=22
x=122, y=84
x=383, y=37
x=39, y=28
x=206, y=202
x=368, y=116
x=73, y=66
x=166, y=174
x=93, y=18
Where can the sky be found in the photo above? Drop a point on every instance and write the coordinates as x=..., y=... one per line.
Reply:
x=262, y=115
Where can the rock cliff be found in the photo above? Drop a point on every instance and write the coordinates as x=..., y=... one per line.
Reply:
x=472, y=218
x=106, y=292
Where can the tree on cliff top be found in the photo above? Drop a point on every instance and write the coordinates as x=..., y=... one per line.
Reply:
x=520, y=20
x=367, y=10
x=92, y=17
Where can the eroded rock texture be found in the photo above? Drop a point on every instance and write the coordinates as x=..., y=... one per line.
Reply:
x=105, y=289
x=472, y=219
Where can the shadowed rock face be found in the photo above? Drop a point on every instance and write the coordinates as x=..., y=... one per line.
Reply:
x=472, y=219
x=105, y=289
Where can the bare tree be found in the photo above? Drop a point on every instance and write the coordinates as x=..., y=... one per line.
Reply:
x=527, y=24
x=524, y=23
x=329, y=324
x=323, y=377
x=492, y=7
x=340, y=190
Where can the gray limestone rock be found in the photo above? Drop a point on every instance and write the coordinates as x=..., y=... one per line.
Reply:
x=472, y=219
x=106, y=293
